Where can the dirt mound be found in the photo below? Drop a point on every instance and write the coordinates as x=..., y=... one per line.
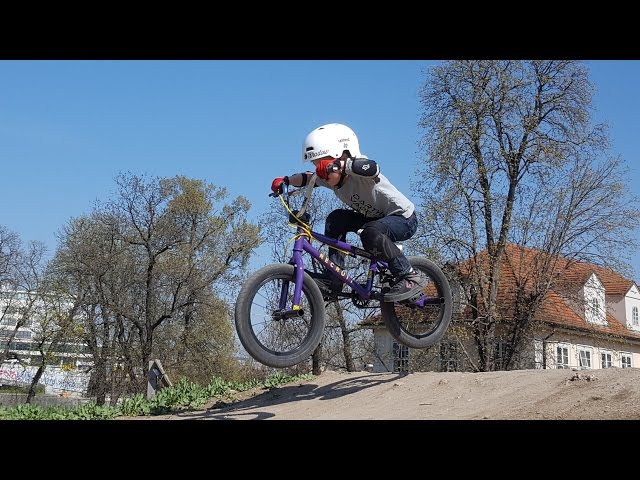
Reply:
x=611, y=394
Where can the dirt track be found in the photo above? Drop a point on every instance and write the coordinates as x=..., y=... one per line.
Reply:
x=612, y=394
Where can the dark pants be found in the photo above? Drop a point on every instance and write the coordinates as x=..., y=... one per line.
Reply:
x=377, y=236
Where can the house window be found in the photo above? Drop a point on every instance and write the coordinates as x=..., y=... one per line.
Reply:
x=6, y=333
x=605, y=359
x=634, y=317
x=10, y=310
x=501, y=355
x=400, y=358
x=595, y=305
x=625, y=360
x=562, y=356
x=449, y=358
x=584, y=358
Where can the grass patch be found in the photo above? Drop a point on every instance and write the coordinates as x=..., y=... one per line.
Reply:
x=182, y=396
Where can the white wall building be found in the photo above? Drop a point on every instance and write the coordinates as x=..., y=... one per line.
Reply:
x=590, y=320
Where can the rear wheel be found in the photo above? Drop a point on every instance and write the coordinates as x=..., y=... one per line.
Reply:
x=270, y=333
x=424, y=323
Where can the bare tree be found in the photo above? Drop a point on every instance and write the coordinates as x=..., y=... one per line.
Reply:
x=513, y=157
x=342, y=344
x=29, y=301
x=21, y=275
x=93, y=268
x=55, y=334
x=10, y=251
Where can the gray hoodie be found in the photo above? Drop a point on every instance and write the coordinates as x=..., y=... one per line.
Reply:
x=374, y=197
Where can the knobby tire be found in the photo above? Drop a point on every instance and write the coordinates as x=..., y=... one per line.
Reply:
x=421, y=327
x=278, y=343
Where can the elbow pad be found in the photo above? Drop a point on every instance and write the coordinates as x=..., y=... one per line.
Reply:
x=362, y=167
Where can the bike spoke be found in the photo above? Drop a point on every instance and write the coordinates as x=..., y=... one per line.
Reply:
x=277, y=334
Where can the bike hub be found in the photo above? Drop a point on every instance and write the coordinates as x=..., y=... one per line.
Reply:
x=286, y=314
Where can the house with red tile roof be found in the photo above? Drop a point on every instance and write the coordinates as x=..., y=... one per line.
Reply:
x=586, y=317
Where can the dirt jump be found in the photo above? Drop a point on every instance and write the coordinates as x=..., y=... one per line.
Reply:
x=607, y=394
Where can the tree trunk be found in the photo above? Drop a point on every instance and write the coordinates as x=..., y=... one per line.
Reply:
x=34, y=384
x=316, y=367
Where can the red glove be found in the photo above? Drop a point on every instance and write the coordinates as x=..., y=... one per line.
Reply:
x=325, y=167
x=276, y=185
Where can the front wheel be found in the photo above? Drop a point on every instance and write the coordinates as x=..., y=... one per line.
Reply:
x=268, y=328
x=421, y=324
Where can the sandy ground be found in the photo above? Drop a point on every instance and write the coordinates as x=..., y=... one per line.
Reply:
x=610, y=394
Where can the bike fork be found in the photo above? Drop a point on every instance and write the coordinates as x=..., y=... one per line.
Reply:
x=283, y=312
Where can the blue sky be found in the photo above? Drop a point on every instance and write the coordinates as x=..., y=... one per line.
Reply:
x=67, y=128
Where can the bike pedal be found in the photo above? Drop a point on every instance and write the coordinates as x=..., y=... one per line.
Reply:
x=413, y=300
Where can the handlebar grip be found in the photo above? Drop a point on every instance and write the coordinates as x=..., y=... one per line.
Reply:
x=282, y=189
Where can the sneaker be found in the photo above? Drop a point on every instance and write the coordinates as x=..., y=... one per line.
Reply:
x=406, y=287
x=329, y=286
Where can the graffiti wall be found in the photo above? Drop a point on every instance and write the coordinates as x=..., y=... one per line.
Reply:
x=54, y=379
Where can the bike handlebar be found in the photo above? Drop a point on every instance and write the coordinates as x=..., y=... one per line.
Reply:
x=308, y=190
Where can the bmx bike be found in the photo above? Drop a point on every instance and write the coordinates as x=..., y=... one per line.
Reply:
x=280, y=311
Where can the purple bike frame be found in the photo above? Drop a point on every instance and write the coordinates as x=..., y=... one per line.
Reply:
x=303, y=244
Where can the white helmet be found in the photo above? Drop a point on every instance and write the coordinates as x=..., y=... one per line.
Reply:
x=330, y=140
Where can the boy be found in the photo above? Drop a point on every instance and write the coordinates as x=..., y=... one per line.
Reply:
x=383, y=213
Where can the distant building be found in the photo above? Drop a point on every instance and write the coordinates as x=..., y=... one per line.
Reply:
x=21, y=333
x=590, y=319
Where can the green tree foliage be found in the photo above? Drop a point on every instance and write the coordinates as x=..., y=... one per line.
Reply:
x=201, y=347
x=151, y=268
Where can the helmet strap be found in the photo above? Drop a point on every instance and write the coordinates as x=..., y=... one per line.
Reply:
x=342, y=170
x=342, y=177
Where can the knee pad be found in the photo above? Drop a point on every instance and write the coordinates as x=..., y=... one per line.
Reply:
x=374, y=240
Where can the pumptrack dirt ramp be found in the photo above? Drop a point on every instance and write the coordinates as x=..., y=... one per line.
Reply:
x=608, y=394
